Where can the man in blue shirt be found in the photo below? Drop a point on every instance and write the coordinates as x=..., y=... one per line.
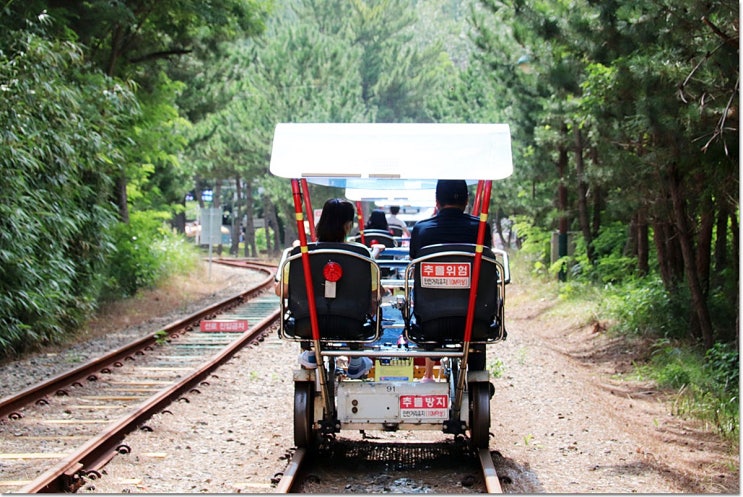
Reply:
x=450, y=225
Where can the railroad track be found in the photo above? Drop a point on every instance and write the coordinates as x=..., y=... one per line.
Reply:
x=85, y=414
x=408, y=456
x=57, y=432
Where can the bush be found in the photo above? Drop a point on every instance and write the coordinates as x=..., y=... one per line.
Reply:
x=146, y=251
x=722, y=363
x=642, y=306
x=535, y=244
x=706, y=385
x=61, y=126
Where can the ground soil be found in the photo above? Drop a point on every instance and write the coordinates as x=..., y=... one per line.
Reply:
x=566, y=416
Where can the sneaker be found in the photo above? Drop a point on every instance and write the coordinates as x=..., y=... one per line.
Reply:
x=427, y=380
x=358, y=367
x=308, y=359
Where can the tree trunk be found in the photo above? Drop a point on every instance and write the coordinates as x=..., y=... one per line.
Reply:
x=598, y=199
x=721, y=240
x=179, y=220
x=267, y=223
x=273, y=242
x=499, y=230
x=666, y=246
x=122, y=198
x=249, y=226
x=598, y=207
x=562, y=207
x=236, y=217
x=736, y=243
x=583, y=214
x=643, y=250
x=736, y=268
x=217, y=204
x=198, y=187
x=704, y=243
x=699, y=302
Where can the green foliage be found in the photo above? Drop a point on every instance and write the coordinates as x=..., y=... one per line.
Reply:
x=610, y=264
x=496, y=368
x=644, y=307
x=535, y=243
x=146, y=251
x=722, y=363
x=260, y=239
x=59, y=147
x=706, y=384
x=674, y=367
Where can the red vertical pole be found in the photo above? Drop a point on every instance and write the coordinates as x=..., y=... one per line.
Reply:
x=485, y=201
x=308, y=209
x=314, y=324
x=297, y=194
x=360, y=216
x=478, y=199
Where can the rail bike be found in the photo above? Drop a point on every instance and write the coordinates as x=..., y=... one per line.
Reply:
x=440, y=305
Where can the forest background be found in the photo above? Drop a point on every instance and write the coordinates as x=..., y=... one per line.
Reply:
x=624, y=116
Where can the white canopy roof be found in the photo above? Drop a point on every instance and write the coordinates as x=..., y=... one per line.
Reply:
x=359, y=154
x=411, y=196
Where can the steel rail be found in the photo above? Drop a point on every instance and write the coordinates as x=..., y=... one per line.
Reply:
x=286, y=484
x=492, y=482
x=64, y=477
x=290, y=474
x=10, y=405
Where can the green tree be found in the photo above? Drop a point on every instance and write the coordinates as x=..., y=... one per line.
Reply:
x=61, y=142
x=619, y=97
x=138, y=40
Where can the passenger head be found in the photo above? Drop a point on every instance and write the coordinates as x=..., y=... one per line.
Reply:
x=335, y=221
x=377, y=221
x=394, y=209
x=452, y=193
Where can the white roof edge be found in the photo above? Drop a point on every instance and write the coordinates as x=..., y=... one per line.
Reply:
x=327, y=152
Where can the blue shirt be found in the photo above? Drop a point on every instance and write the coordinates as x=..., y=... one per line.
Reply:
x=450, y=225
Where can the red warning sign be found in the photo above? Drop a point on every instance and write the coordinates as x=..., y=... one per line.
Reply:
x=224, y=325
x=424, y=406
x=445, y=274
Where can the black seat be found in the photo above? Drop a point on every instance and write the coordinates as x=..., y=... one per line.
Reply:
x=437, y=309
x=372, y=237
x=396, y=230
x=344, y=313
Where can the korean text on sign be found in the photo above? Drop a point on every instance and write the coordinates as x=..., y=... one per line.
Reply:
x=445, y=274
x=424, y=406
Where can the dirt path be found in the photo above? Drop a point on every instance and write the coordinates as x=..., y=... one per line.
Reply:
x=564, y=423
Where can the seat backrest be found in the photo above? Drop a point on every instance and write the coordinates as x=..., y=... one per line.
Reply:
x=442, y=276
x=396, y=230
x=345, y=312
x=372, y=237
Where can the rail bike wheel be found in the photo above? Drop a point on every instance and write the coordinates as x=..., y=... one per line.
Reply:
x=479, y=415
x=304, y=406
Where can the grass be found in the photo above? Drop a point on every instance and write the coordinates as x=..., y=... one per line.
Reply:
x=704, y=386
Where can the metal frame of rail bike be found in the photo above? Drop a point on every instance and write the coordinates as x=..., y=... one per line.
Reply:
x=326, y=402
